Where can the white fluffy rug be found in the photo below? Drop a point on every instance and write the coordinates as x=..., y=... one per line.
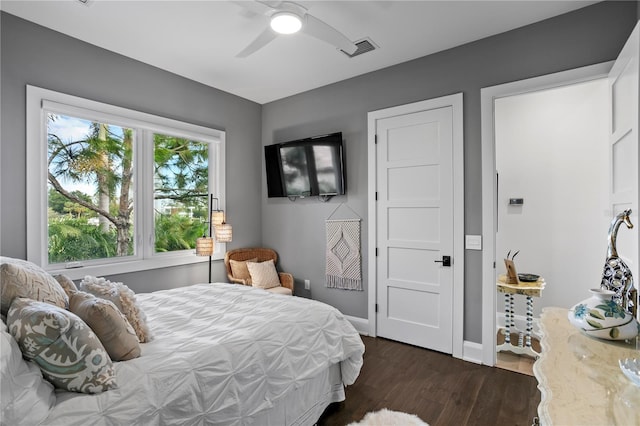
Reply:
x=386, y=417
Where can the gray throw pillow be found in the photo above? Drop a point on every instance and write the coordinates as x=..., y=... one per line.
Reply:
x=67, y=351
x=124, y=298
x=110, y=325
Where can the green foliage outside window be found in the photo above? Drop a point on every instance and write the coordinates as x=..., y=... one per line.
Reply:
x=91, y=183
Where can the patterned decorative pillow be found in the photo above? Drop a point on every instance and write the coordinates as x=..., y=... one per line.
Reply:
x=239, y=269
x=68, y=353
x=26, y=397
x=67, y=284
x=109, y=324
x=124, y=299
x=264, y=274
x=20, y=278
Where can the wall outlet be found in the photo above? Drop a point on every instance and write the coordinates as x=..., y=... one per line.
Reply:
x=307, y=284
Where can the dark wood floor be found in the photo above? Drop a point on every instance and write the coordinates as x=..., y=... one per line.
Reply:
x=438, y=388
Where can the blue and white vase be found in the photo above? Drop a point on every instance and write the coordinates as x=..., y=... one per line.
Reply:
x=600, y=316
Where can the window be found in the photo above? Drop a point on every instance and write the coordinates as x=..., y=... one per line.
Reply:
x=181, y=199
x=116, y=190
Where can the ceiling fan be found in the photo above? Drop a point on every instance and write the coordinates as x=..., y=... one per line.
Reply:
x=287, y=17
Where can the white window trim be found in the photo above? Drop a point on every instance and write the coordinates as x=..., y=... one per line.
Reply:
x=37, y=100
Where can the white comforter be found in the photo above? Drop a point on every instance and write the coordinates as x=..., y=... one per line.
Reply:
x=221, y=354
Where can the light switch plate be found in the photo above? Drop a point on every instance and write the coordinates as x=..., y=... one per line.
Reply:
x=473, y=242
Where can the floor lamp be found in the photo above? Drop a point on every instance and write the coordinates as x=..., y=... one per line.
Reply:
x=223, y=232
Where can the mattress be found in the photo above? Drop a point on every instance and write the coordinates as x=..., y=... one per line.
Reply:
x=226, y=354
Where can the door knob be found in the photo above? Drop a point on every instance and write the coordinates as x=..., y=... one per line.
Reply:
x=446, y=261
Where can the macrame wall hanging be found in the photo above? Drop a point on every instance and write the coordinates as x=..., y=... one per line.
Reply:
x=344, y=261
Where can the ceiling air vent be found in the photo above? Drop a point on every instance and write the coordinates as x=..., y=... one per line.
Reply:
x=363, y=46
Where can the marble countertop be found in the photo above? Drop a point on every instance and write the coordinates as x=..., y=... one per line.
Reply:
x=579, y=377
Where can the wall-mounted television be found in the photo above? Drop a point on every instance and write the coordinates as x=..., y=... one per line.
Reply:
x=306, y=167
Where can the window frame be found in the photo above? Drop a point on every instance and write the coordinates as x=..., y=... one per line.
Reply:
x=39, y=102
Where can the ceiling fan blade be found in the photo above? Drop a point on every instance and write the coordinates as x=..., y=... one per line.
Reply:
x=273, y=4
x=257, y=7
x=262, y=40
x=325, y=32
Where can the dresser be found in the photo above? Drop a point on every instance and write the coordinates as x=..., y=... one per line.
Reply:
x=579, y=378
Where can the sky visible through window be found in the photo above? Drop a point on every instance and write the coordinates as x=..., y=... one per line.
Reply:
x=74, y=129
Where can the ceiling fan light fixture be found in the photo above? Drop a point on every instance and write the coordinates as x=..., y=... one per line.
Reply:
x=286, y=23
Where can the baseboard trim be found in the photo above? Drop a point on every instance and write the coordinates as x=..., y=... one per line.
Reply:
x=361, y=324
x=472, y=352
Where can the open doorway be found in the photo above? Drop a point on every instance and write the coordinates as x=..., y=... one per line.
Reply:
x=540, y=154
x=552, y=164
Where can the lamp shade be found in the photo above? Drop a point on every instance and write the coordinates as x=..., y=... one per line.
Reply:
x=204, y=246
x=217, y=217
x=224, y=233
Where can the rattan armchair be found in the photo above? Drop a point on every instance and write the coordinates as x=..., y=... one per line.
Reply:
x=261, y=254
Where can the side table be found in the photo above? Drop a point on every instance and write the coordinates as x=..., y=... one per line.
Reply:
x=529, y=290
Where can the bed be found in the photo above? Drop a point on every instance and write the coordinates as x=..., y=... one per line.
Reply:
x=221, y=354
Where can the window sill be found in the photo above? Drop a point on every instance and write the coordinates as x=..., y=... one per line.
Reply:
x=132, y=266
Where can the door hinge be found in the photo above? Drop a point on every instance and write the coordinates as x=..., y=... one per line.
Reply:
x=494, y=264
x=376, y=308
x=376, y=195
x=376, y=251
x=375, y=139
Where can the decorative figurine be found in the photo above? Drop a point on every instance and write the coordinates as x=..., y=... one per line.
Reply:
x=512, y=275
x=616, y=275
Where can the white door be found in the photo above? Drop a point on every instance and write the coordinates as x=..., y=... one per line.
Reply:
x=624, y=139
x=415, y=228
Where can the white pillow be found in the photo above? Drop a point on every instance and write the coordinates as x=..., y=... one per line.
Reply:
x=26, y=397
x=263, y=274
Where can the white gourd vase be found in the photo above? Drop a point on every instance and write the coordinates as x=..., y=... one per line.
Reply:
x=600, y=316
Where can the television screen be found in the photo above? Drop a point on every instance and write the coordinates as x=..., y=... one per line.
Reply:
x=295, y=170
x=329, y=176
x=306, y=167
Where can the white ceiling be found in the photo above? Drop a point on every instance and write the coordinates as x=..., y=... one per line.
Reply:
x=199, y=39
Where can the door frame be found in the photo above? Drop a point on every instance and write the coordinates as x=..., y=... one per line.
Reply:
x=488, y=96
x=455, y=101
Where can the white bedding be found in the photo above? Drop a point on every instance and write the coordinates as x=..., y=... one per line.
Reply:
x=226, y=354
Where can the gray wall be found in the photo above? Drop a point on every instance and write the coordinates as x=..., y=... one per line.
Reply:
x=587, y=36
x=34, y=55
x=31, y=54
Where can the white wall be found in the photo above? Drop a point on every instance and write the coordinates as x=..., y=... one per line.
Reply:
x=551, y=150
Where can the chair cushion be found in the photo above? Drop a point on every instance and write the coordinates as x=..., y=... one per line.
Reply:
x=109, y=324
x=239, y=268
x=20, y=278
x=264, y=274
x=67, y=351
x=280, y=290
